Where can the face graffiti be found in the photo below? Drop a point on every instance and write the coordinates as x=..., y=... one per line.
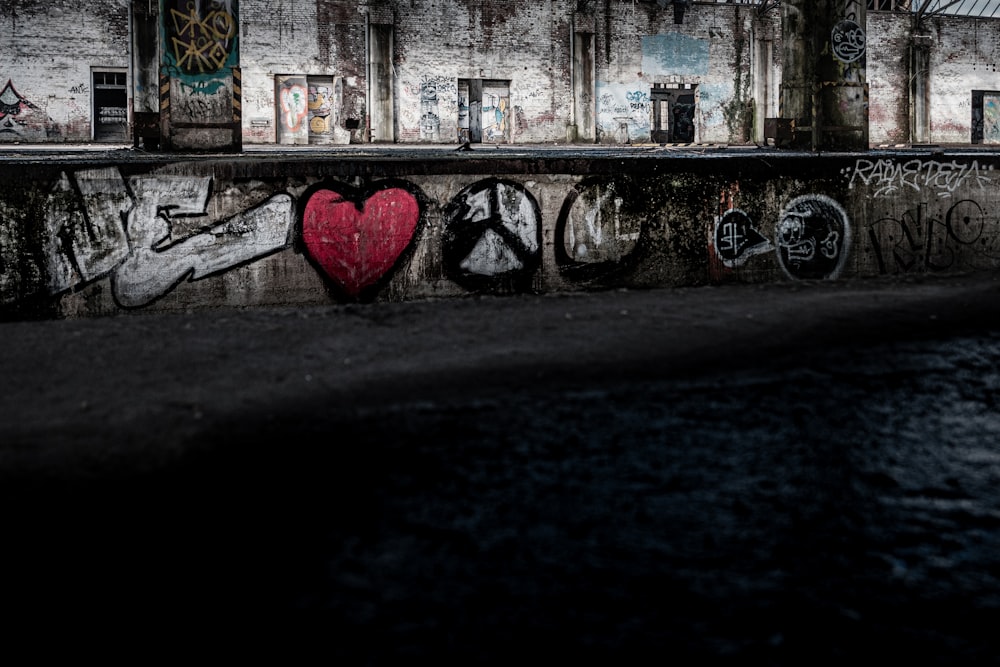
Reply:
x=848, y=40
x=813, y=238
x=294, y=106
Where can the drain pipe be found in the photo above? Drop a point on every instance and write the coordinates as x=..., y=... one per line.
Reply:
x=572, y=75
x=368, y=76
x=130, y=117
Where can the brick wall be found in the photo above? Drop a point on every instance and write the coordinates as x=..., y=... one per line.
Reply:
x=279, y=38
x=47, y=51
x=965, y=55
x=888, y=77
x=524, y=43
x=640, y=46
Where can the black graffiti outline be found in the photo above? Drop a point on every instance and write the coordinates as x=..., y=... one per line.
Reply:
x=151, y=255
x=462, y=233
x=358, y=195
x=752, y=241
x=849, y=41
x=610, y=272
x=926, y=241
x=807, y=250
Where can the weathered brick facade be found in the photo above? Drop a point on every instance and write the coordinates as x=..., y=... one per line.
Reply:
x=521, y=71
x=48, y=50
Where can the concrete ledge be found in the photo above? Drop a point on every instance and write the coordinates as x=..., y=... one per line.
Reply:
x=95, y=233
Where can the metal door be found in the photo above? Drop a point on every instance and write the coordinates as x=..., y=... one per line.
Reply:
x=110, y=106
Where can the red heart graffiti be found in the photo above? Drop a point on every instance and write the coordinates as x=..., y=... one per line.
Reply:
x=356, y=244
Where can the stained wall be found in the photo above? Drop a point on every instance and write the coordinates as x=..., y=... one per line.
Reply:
x=94, y=238
x=520, y=53
x=47, y=53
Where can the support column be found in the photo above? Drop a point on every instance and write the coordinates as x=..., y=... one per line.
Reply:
x=920, y=66
x=381, y=80
x=144, y=66
x=200, y=92
x=583, y=87
x=824, y=87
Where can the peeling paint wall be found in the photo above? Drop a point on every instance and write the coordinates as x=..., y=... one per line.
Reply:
x=93, y=239
x=709, y=56
x=623, y=51
x=47, y=53
x=964, y=57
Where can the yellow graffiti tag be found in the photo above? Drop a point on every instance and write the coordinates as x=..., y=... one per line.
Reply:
x=197, y=45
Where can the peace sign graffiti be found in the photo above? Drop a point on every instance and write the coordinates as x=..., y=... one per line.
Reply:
x=492, y=237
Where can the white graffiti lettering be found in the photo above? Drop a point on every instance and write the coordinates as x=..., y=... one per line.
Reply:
x=944, y=178
x=141, y=255
x=156, y=263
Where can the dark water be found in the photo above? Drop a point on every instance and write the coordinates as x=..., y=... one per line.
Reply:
x=842, y=507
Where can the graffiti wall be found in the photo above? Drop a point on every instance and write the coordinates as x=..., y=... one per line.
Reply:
x=200, y=40
x=623, y=113
x=100, y=238
x=21, y=119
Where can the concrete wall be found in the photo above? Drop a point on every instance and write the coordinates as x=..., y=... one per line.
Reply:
x=88, y=239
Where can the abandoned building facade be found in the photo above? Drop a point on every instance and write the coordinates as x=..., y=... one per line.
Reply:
x=204, y=74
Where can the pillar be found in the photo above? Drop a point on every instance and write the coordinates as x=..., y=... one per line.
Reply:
x=200, y=83
x=824, y=87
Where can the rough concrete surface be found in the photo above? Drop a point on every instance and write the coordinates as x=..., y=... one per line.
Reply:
x=787, y=474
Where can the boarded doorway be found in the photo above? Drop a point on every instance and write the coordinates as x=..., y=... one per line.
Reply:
x=673, y=113
x=110, y=106
x=985, y=117
x=484, y=111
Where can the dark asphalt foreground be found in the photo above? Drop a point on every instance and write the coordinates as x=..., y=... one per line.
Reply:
x=790, y=474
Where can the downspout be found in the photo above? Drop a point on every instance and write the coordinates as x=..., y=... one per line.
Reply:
x=131, y=80
x=572, y=76
x=368, y=76
x=919, y=61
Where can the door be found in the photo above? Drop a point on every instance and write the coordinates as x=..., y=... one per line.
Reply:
x=985, y=117
x=496, y=112
x=475, y=110
x=110, y=106
x=483, y=111
x=673, y=115
x=682, y=129
x=292, y=108
x=660, y=127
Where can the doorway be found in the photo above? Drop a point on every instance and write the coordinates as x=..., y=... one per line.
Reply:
x=985, y=117
x=110, y=105
x=673, y=113
x=484, y=113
